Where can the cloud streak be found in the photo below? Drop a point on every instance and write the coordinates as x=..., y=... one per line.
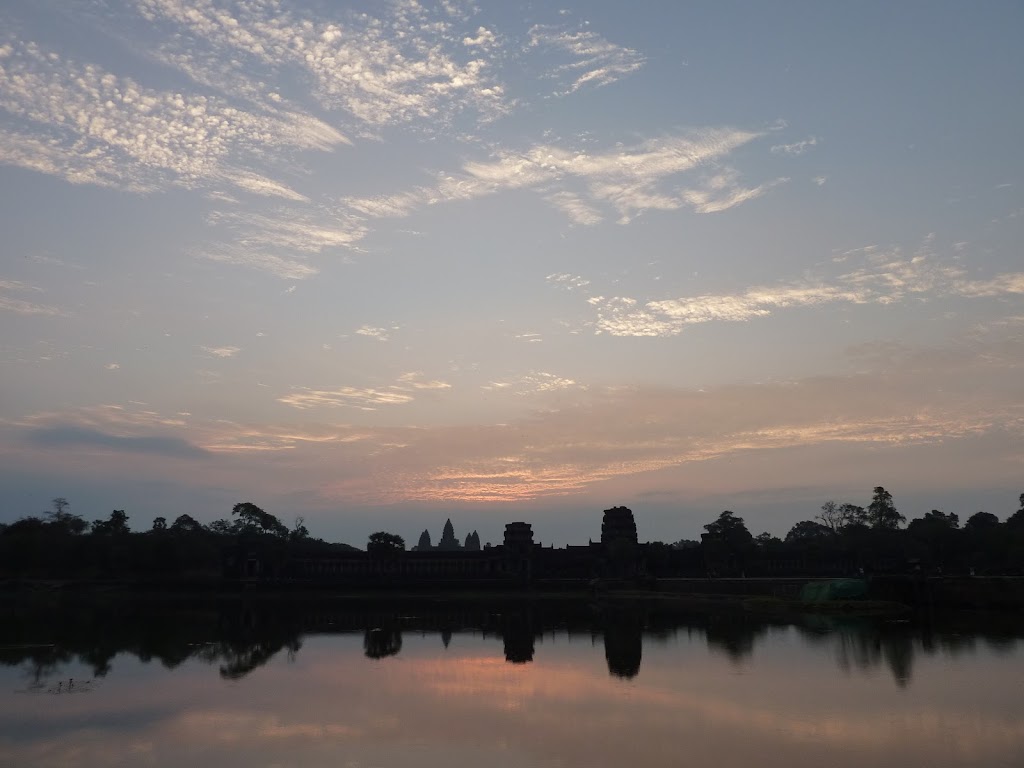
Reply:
x=886, y=277
x=73, y=437
x=630, y=180
x=592, y=60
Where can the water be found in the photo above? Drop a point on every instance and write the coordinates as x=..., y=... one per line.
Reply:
x=299, y=683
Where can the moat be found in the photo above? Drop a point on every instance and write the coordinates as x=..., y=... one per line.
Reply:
x=510, y=682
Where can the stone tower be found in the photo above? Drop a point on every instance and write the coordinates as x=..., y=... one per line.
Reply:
x=448, y=542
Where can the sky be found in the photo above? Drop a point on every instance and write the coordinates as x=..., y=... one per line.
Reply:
x=381, y=264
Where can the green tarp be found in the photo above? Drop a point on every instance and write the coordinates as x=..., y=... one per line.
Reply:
x=836, y=589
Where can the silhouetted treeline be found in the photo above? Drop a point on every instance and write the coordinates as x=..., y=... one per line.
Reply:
x=846, y=539
x=59, y=544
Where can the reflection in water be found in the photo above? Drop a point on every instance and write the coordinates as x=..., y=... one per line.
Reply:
x=511, y=683
x=517, y=636
x=623, y=641
x=381, y=642
x=240, y=637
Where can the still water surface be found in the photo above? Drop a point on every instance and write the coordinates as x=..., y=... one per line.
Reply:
x=501, y=684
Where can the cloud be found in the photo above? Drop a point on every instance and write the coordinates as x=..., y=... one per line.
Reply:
x=570, y=282
x=89, y=125
x=415, y=380
x=222, y=352
x=20, y=306
x=405, y=62
x=723, y=191
x=886, y=277
x=380, y=334
x=535, y=382
x=628, y=179
x=73, y=436
x=952, y=412
x=280, y=241
x=796, y=148
x=578, y=211
x=365, y=399
x=593, y=60
x=347, y=397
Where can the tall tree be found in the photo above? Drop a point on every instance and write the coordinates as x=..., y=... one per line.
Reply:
x=256, y=519
x=981, y=521
x=807, y=531
x=383, y=542
x=853, y=516
x=730, y=530
x=1016, y=520
x=831, y=516
x=62, y=519
x=185, y=524
x=882, y=511
x=115, y=525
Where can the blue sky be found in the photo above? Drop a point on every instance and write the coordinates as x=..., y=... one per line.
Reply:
x=381, y=264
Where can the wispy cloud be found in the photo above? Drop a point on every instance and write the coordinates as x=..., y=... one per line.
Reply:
x=221, y=352
x=406, y=387
x=415, y=380
x=11, y=300
x=577, y=210
x=71, y=436
x=280, y=241
x=534, y=382
x=886, y=277
x=796, y=148
x=346, y=397
x=400, y=63
x=630, y=180
x=89, y=125
x=373, y=332
x=568, y=281
x=592, y=60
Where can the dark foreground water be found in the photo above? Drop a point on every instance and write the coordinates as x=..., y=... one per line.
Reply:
x=360, y=684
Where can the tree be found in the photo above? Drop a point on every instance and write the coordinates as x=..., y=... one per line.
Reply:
x=299, y=530
x=766, y=540
x=61, y=518
x=159, y=523
x=1016, y=520
x=730, y=530
x=831, y=516
x=185, y=524
x=254, y=518
x=223, y=527
x=115, y=525
x=382, y=542
x=853, y=516
x=937, y=519
x=981, y=521
x=807, y=531
x=882, y=512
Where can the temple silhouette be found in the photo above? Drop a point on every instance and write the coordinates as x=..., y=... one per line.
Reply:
x=517, y=559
